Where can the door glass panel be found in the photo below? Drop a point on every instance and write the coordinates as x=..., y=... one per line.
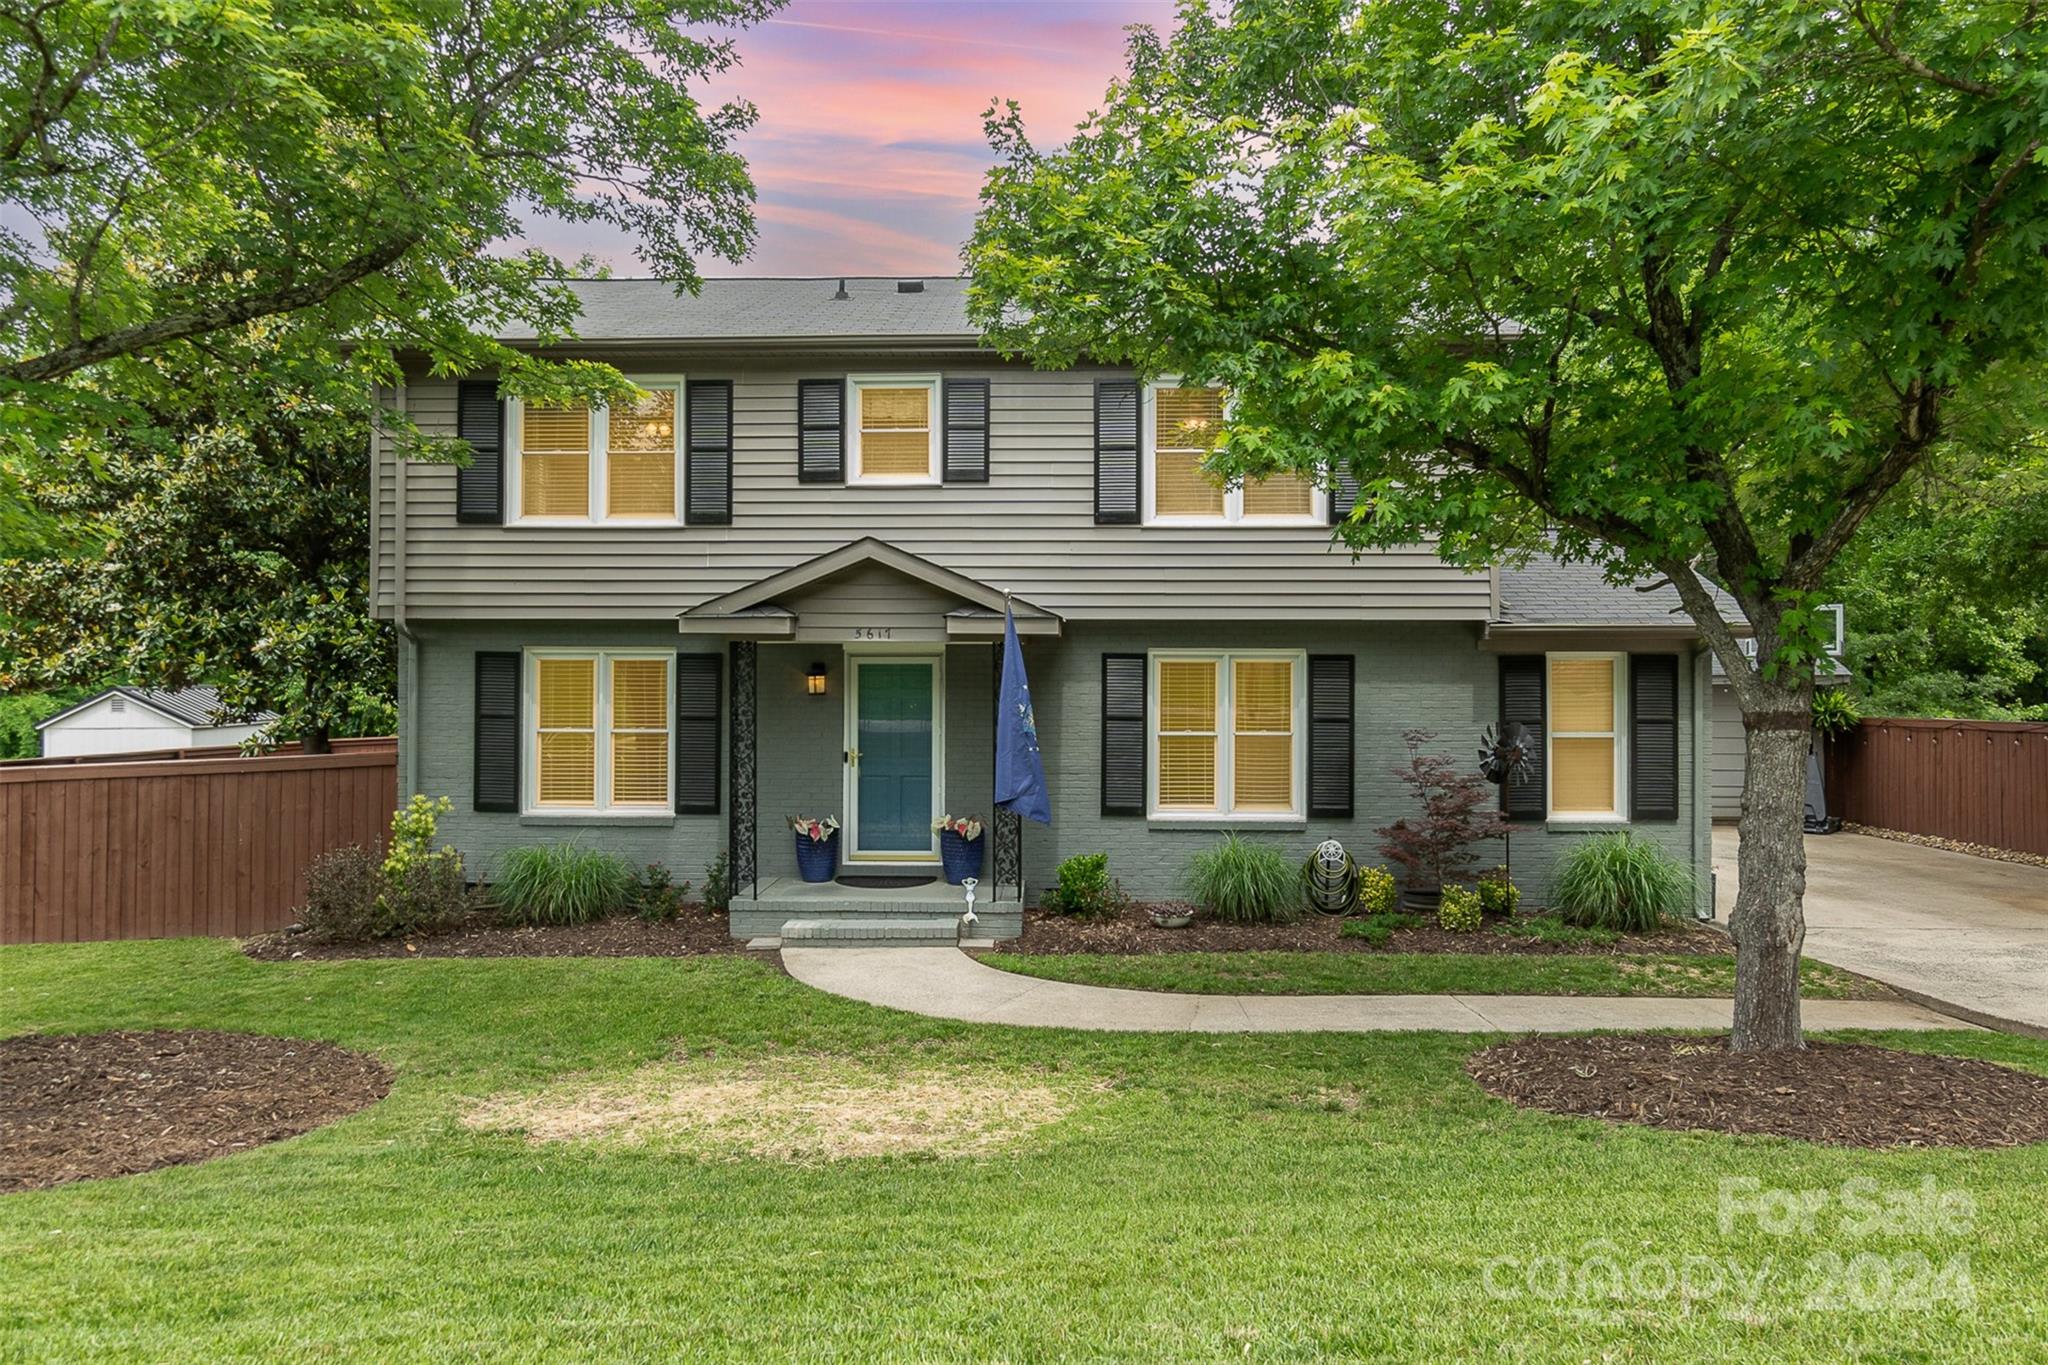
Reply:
x=893, y=731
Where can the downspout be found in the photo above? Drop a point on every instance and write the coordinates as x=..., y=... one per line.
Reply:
x=408, y=646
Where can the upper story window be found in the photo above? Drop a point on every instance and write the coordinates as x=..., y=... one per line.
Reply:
x=894, y=435
x=598, y=731
x=582, y=464
x=1585, y=736
x=1181, y=428
x=1228, y=734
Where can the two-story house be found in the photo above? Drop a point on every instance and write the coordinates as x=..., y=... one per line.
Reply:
x=777, y=586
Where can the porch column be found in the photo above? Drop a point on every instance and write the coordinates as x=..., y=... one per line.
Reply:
x=745, y=787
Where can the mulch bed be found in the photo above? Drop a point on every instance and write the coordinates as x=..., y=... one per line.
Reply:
x=1133, y=932
x=86, y=1106
x=692, y=934
x=1840, y=1094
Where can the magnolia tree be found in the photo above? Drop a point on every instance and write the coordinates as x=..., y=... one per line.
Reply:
x=1681, y=289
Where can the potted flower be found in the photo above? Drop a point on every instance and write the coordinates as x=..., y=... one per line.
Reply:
x=817, y=847
x=1171, y=915
x=1435, y=847
x=959, y=846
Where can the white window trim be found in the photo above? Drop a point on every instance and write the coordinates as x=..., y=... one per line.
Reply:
x=854, y=384
x=1233, y=496
x=529, y=732
x=1619, y=663
x=600, y=444
x=1226, y=737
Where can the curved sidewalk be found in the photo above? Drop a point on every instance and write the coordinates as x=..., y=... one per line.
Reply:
x=945, y=983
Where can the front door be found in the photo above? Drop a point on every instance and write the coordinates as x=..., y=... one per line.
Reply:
x=892, y=758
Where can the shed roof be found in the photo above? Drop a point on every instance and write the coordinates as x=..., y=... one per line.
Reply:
x=193, y=706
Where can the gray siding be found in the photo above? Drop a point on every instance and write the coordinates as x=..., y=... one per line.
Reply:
x=1030, y=529
x=1731, y=760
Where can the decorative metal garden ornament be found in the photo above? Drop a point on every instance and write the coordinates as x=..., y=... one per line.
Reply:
x=1504, y=761
x=1329, y=879
x=969, y=920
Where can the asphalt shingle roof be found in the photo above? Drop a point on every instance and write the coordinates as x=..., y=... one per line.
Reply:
x=1547, y=591
x=771, y=309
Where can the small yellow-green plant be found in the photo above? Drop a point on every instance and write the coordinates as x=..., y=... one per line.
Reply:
x=422, y=888
x=1498, y=895
x=1458, y=912
x=1375, y=890
x=413, y=826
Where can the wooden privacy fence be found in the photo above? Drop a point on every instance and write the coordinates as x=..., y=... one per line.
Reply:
x=1984, y=782
x=201, y=845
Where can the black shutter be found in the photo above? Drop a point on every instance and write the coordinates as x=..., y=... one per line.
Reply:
x=480, y=420
x=495, y=783
x=697, y=776
x=1123, y=734
x=1344, y=491
x=1330, y=754
x=1521, y=700
x=821, y=431
x=1116, y=452
x=1653, y=736
x=966, y=432
x=707, y=462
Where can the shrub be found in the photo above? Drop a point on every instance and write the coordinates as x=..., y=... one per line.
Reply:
x=718, y=885
x=1085, y=888
x=1244, y=882
x=1498, y=895
x=562, y=884
x=1456, y=813
x=1617, y=881
x=656, y=897
x=1458, y=912
x=342, y=889
x=1375, y=890
x=426, y=896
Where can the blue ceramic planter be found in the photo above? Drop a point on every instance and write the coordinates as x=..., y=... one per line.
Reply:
x=962, y=857
x=817, y=859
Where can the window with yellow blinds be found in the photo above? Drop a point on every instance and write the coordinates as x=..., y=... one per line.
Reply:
x=554, y=462
x=640, y=457
x=601, y=730
x=894, y=437
x=639, y=731
x=1182, y=428
x=1188, y=733
x=1584, y=734
x=1227, y=736
x=1185, y=427
x=565, y=761
x=602, y=465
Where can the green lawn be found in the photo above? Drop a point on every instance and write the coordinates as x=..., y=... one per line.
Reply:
x=1299, y=973
x=1207, y=1196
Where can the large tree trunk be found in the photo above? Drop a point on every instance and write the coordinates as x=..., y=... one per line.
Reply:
x=1769, y=923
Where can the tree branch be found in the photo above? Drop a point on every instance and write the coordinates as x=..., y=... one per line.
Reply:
x=1884, y=43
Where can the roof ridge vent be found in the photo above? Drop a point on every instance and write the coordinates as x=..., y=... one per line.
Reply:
x=910, y=286
x=842, y=294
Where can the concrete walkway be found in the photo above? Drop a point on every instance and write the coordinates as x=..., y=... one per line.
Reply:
x=944, y=983
x=1941, y=926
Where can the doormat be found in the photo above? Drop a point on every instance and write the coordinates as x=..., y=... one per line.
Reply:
x=885, y=883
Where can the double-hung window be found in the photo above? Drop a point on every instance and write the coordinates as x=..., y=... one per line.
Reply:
x=1585, y=735
x=1227, y=734
x=599, y=465
x=598, y=729
x=1181, y=429
x=894, y=435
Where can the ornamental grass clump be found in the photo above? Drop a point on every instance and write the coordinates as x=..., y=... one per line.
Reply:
x=562, y=884
x=1617, y=881
x=1243, y=882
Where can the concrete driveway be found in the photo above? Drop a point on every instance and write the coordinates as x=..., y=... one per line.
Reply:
x=1969, y=932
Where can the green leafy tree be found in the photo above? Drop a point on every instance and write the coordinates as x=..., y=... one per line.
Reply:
x=222, y=540
x=1690, y=287
x=186, y=169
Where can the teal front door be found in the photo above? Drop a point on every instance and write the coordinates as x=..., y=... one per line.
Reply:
x=893, y=757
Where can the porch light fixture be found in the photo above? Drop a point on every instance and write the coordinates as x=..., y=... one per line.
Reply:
x=814, y=680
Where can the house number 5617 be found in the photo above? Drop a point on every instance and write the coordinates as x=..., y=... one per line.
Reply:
x=873, y=632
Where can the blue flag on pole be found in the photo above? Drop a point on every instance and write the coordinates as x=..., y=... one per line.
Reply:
x=1020, y=771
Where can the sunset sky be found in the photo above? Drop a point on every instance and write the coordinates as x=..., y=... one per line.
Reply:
x=869, y=151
